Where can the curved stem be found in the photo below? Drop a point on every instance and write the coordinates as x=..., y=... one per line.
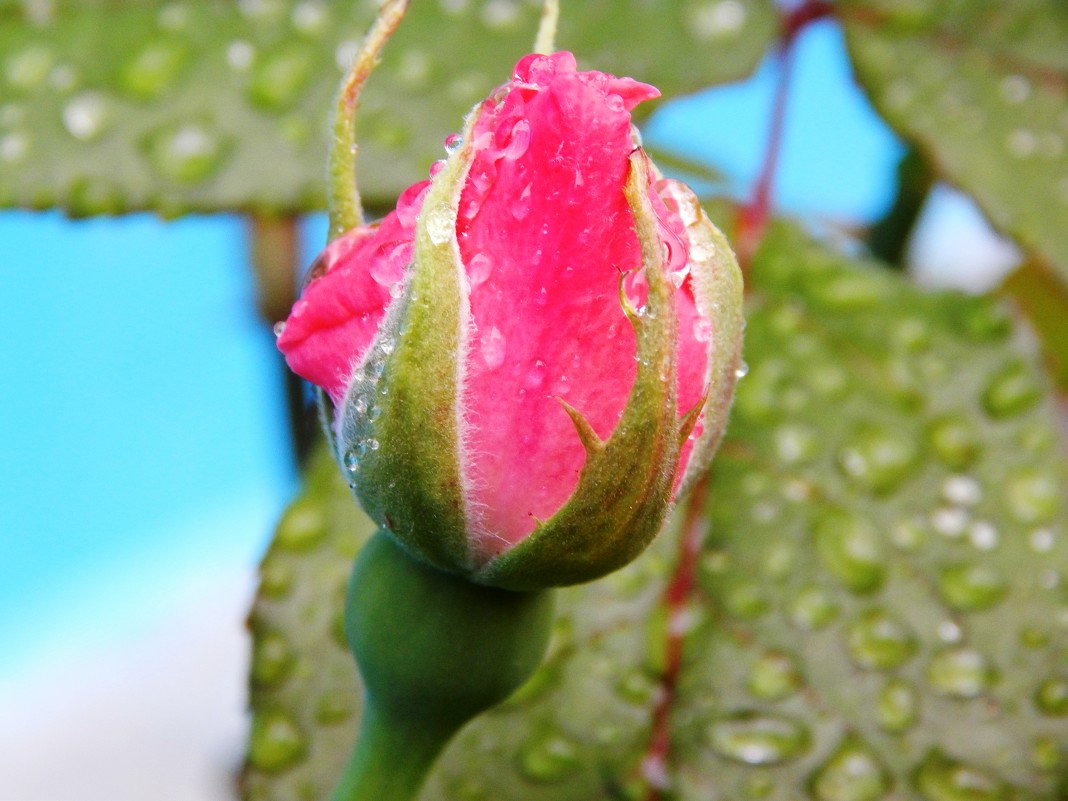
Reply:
x=391, y=759
x=343, y=198
x=434, y=650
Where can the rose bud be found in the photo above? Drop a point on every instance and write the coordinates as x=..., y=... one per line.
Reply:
x=535, y=352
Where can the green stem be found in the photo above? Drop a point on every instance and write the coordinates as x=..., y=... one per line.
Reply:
x=391, y=760
x=434, y=651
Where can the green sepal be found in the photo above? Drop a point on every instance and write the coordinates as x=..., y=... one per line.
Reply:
x=716, y=279
x=624, y=490
x=400, y=432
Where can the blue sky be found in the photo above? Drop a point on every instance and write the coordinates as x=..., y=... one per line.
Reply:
x=144, y=442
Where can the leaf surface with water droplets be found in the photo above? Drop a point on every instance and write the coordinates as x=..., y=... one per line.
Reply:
x=180, y=106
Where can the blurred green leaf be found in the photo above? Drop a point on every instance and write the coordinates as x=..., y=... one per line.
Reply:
x=981, y=88
x=191, y=105
x=882, y=598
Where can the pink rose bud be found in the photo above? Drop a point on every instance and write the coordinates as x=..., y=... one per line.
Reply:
x=535, y=352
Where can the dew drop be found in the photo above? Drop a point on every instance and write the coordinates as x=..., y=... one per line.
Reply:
x=878, y=459
x=272, y=659
x=276, y=742
x=852, y=773
x=440, y=224
x=13, y=147
x=303, y=526
x=520, y=206
x=1033, y=496
x=334, y=706
x=499, y=14
x=153, y=69
x=1021, y=143
x=309, y=16
x=742, y=371
x=879, y=641
x=1051, y=697
x=493, y=348
x=960, y=672
x=941, y=778
x=85, y=116
x=188, y=152
x=702, y=329
x=1046, y=753
x=518, y=140
x=953, y=442
x=795, y=443
x=754, y=738
x=984, y=535
x=1010, y=391
x=279, y=78
x=453, y=142
x=479, y=268
x=962, y=490
x=549, y=758
x=850, y=549
x=717, y=19
x=898, y=706
x=1041, y=540
x=239, y=55
x=813, y=608
x=1015, y=89
x=536, y=376
x=949, y=632
x=971, y=587
x=279, y=328
x=351, y=462
x=636, y=688
x=28, y=68
x=773, y=677
x=949, y=521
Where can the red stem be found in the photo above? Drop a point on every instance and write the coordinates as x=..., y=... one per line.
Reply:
x=754, y=216
x=676, y=601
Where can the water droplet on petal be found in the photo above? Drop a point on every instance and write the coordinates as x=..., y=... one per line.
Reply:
x=536, y=376
x=453, y=142
x=479, y=268
x=493, y=348
x=758, y=739
x=518, y=140
x=520, y=206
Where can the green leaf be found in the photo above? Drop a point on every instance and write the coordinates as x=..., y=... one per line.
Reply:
x=982, y=89
x=881, y=608
x=190, y=105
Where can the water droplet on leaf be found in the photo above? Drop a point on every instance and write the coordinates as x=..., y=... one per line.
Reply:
x=758, y=739
x=852, y=773
x=879, y=641
x=960, y=672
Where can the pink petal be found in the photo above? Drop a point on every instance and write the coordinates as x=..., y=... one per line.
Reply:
x=334, y=322
x=544, y=219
